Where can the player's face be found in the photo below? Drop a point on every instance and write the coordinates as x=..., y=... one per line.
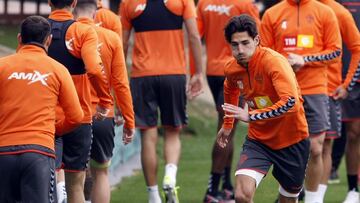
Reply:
x=243, y=46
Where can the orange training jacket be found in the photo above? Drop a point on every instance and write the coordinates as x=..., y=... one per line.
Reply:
x=107, y=19
x=277, y=117
x=307, y=28
x=31, y=85
x=82, y=42
x=157, y=52
x=351, y=37
x=112, y=55
x=212, y=16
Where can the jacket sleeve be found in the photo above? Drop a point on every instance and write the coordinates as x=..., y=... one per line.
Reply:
x=69, y=102
x=284, y=83
x=331, y=41
x=231, y=96
x=351, y=37
x=266, y=31
x=120, y=85
x=94, y=67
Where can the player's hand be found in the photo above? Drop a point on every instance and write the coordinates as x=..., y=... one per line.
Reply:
x=223, y=137
x=340, y=93
x=296, y=61
x=118, y=118
x=195, y=86
x=128, y=135
x=232, y=111
x=101, y=112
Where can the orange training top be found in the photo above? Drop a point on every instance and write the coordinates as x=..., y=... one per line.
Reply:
x=212, y=16
x=159, y=50
x=351, y=37
x=107, y=19
x=277, y=117
x=31, y=85
x=81, y=41
x=306, y=28
x=111, y=53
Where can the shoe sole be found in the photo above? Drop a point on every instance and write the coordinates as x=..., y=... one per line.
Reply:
x=334, y=181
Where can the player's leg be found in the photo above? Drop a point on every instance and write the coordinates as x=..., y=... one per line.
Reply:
x=251, y=168
x=144, y=94
x=76, y=154
x=172, y=104
x=290, y=171
x=332, y=133
x=101, y=154
x=316, y=111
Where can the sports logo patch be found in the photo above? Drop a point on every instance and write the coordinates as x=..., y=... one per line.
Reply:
x=263, y=102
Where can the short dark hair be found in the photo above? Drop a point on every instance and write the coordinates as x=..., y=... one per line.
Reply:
x=61, y=3
x=86, y=3
x=34, y=29
x=241, y=23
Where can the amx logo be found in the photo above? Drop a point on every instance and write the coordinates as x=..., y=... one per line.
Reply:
x=223, y=9
x=32, y=77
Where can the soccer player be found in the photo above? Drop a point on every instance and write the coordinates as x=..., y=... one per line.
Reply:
x=268, y=85
x=158, y=80
x=304, y=31
x=337, y=91
x=31, y=85
x=107, y=19
x=75, y=46
x=111, y=52
x=212, y=16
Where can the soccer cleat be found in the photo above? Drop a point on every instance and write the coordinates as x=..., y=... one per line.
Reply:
x=211, y=199
x=352, y=197
x=171, y=194
x=227, y=195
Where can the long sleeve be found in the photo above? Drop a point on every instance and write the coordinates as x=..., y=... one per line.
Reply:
x=331, y=42
x=231, y=96
x=120, y=85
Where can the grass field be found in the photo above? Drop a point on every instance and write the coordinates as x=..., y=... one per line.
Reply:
x=8, y=35
x=195, y=163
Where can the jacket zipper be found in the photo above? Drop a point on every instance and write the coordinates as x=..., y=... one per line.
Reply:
x=298, y=13
x=247, y=71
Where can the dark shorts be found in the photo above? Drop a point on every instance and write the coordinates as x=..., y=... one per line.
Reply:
x=103, y=140
x=316, y=111
x=334, y=116
x=289, y=163
x=73, y=149
x=164, y=92
x=27, y=177
x=351, y=105
x=216, y=85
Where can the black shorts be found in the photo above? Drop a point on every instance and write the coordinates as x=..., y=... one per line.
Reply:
x=103, y=140
x=73, y=149
x=27, y=177
x=168, y=93
x=216, y=85
x=334, y=116
x=289, y=163
x=351, y=105
x=316, y=111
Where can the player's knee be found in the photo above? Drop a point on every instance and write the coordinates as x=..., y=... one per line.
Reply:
x=243, y=195
x=316, y=151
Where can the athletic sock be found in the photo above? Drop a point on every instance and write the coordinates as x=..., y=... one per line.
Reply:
x=226, y=178
x=170, y=174
x=61, y=192
x=213, y=185
x=153, y=192
x=352, y=182
x=311, y=197
x=321, y=191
